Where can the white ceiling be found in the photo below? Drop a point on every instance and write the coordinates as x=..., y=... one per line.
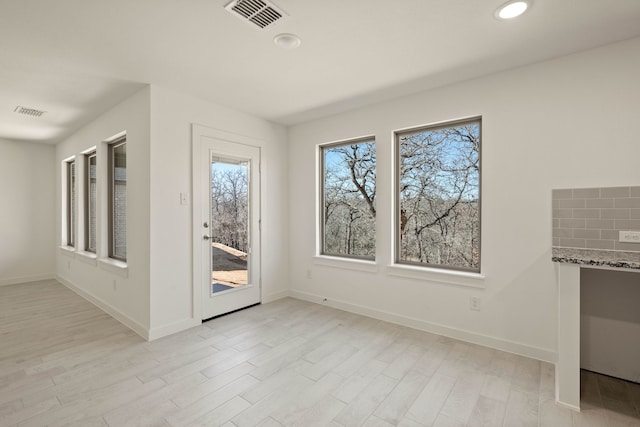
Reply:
x=77, y=58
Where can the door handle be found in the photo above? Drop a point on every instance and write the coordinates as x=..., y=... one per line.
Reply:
x=205, y=237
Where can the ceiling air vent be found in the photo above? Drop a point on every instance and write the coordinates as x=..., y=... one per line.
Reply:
x=259, y=12
x=29, y=111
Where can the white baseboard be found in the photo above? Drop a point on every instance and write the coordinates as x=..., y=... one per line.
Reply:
x=275, y=296
x=182, y=325
x=172, y=328
x=568, y=406
x=26, y=279
x=542, y=354
x=109, y=309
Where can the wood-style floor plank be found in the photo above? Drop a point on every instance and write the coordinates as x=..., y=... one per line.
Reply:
x=63, y=362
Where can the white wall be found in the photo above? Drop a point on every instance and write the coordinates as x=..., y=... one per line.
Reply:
x=27, y=218
x=123, y=293
x=172, y=114
x=155, y=298
x=566, y=123
x=610, y=322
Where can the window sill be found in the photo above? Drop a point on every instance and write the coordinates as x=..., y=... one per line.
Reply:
x=87, y=257
x=69, y=251
x=346, y=263
x=114, y=266
x=448, y=277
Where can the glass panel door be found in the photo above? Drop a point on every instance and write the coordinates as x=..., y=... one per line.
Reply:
x=227, y=225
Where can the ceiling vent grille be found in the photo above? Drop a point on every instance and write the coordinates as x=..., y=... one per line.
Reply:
x=29, y=111
x=259, y=12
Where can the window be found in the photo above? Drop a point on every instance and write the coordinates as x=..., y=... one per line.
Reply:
x=71, y=203
x=438, y=196
x=90, y=203
x=348, y=217
x=118, y=199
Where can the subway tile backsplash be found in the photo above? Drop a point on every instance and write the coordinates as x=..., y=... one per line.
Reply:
x=591, y=218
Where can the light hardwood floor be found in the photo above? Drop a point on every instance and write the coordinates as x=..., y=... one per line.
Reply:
x=287, y=363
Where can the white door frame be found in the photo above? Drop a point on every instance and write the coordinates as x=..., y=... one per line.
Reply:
x=197, y=133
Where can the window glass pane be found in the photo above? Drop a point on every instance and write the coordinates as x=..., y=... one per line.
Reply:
x=229, y=221
x=119, y=201
x=91, y=203
x=439, y=196
x=71, y=208
x=348, y=205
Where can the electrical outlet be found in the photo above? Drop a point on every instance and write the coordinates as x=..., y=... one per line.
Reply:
x=309, y=274
x=629, y=236
x=68, y=265
x=474, y=303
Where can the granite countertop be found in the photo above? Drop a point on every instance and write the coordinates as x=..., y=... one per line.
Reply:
x=596, y=258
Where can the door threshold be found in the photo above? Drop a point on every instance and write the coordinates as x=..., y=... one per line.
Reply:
x=224, y=314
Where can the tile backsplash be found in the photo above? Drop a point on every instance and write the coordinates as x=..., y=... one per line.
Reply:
x=591, y=218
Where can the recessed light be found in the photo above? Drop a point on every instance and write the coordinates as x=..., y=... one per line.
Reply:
x=287, y=41
x=512, y=9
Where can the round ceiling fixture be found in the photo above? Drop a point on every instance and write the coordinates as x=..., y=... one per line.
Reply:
x=512, y=9
x=287, y=41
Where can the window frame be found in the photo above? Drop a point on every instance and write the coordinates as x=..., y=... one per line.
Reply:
x=71, y=202
x=87, y=202
x=112, y=145
x=321, y=247
x=397, y=245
